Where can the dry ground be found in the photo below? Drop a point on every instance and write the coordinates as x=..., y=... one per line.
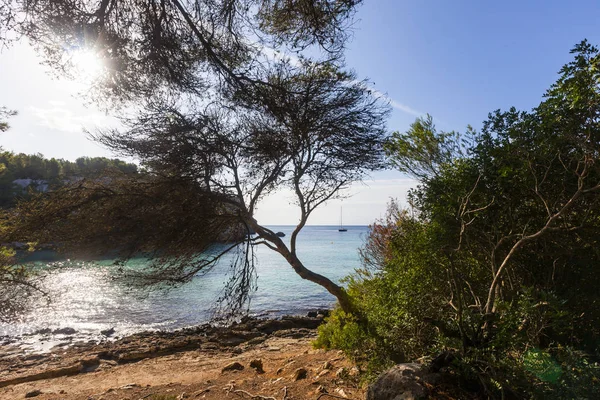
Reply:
x=197, y=374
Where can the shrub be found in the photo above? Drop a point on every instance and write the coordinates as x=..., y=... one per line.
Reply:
x=498, y=261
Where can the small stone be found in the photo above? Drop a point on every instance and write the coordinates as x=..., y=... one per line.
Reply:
x=64, y=331
x=340, y=392
x=321, y=389
x=108, y=332
x=299, y=373
x=327, y=365
x=279, y=370
x=33, y=393
x=234, y=366
x=354, y=371
x=257, y=365
x=341, y=372
x=129, y=386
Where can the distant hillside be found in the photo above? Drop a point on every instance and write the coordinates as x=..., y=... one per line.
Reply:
x=21, y=173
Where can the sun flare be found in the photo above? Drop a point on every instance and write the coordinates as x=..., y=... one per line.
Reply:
x=87, y=64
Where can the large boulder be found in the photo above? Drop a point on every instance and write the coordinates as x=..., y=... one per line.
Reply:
x=402, y=382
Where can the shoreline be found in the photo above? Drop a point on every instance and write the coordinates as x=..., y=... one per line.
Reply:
x=18, y=366
x=48, y=340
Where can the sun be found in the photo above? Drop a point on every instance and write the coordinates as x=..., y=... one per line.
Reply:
x=88, y=66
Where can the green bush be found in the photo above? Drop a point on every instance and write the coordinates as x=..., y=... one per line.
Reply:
x=498, y=261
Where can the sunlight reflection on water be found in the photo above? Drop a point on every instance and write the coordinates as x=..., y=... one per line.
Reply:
x=88, y=298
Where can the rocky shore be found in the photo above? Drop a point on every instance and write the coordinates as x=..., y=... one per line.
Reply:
x=18, y=367
x=262, y=359
x=271, y=357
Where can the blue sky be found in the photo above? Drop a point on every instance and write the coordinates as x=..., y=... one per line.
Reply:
x=459, y=60
x=456, y=60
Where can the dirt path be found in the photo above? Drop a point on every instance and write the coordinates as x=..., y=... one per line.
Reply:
x=292, y=370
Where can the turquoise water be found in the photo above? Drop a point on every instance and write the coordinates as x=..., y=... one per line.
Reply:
x=88, y=298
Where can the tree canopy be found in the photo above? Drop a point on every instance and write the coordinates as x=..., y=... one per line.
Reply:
x=5, y=113
x=22, y=174
x=229, y=101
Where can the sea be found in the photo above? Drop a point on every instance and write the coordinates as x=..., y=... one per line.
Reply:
x=88, y=297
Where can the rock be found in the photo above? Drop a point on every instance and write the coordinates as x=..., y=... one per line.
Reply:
x=322, y=313
x=354, y=371
x=44, y=331
x=321, y=374
x=257, y=365
x=256, y=340
x=48, y=373
x=340, y=373
x=129, y=386
x=340, y=392
x=134, y=356
x=296, y=333
x=271, y=325
x=312, y=314
x=34, y=357
x=234, y=366
x=327, y=365
x=108, y=332
x=64, y=331
x=33, y=393
x=279, y=370
x=399, y=383
x=280, y=234
x=299, y=373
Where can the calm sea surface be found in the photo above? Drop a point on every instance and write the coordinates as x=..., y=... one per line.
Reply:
x=85, y=297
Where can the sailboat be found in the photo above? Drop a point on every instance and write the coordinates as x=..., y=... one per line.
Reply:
x=342, y=229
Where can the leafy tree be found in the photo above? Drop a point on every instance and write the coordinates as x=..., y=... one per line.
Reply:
x=498, y=263
x=231, y=108
x=15, y=287
x=5, y=113
x=49, y=174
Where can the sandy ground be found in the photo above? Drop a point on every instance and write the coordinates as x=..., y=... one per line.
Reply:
x=198, y=374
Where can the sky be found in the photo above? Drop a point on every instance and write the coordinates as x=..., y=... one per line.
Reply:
x=456, y=60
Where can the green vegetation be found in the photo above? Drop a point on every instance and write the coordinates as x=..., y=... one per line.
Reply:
x=15, y=289
x=5, y=113
x=49, y=173
x=496, y=264
x=35, y=173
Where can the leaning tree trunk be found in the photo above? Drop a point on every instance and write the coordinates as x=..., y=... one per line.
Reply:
x=336, y=290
